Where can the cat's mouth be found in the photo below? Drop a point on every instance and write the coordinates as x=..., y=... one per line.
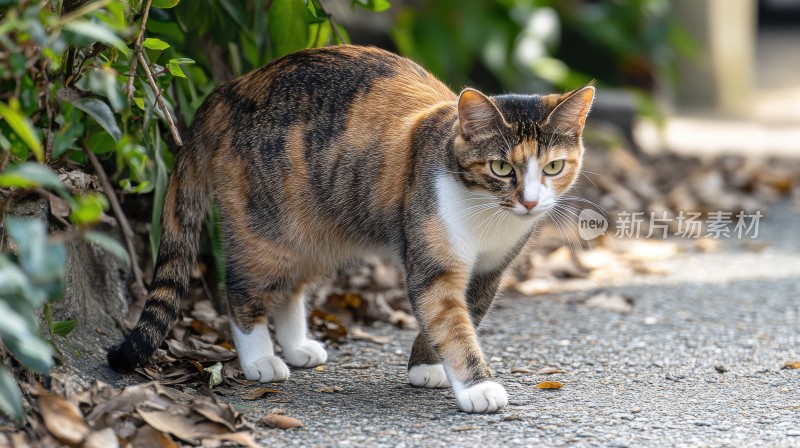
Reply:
x=528, y=213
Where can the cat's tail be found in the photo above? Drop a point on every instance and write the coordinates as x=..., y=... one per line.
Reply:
x=185, y=206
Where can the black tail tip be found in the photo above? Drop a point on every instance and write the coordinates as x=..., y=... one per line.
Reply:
x=120, y=361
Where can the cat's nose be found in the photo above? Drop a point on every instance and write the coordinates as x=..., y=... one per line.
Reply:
x=529, y=204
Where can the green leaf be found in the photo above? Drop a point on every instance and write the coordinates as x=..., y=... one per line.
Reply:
x=43, y=261
x=22, y=126
x=104, y=82
x=109, y=244
x=65, y=137
x=88, y=208
x=288, y=27
x=24, y=342
x=139, y=102
x=63, y=327
x=28, y=175
x=101, y=143
x=101, y=113
x=373, y=5
x=96, y=32
x=237, y=11
x=159, y=193
x=152, y=43
x=313, y=16
x=165, y=4
x=14, y=283
x=186, y=61
x=10, y=396
x=5, y=143
x=175, y=70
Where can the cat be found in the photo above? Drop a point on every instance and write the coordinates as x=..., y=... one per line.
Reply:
x=329, y=154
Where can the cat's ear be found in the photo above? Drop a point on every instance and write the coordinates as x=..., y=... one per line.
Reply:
x=569, y=116
x=477, y=114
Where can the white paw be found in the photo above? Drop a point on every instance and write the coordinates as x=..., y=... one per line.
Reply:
x=428, y=375
x=308, y=354
x=266, y=370
x=485, y=397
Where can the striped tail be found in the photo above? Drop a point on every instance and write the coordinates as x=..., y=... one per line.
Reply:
x=184, y=212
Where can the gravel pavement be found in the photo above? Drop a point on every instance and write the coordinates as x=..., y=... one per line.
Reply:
x=648, y=378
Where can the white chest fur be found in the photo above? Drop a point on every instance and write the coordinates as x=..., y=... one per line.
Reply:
x=482, y=232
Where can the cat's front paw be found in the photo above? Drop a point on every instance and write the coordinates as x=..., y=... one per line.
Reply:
x=266, y=370
x=485, y=397
x=308, y=354
x=428, y=375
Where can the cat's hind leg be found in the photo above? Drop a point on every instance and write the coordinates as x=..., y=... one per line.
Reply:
x=257, y=356
x=291, y=332
x=248, y=311
x=425, y=368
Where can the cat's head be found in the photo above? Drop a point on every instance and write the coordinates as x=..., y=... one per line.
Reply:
x=525, y=151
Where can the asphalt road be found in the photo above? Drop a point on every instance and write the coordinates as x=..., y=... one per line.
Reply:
x=647, y=378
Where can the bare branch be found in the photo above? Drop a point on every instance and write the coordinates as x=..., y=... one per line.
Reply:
x=333, y=23
x=159, y=100
x=137, y=49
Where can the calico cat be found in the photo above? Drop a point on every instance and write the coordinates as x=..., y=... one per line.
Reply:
x=329, y=154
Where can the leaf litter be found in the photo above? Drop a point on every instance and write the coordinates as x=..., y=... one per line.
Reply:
x=197, y=357
x=147, y=414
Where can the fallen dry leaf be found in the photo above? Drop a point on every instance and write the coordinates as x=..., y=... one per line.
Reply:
x=58, y=207
x=354, y=366
x=650, y=250
x=242, y=438
x=214, y=374
x=330, y=389
x=105, y=438
x=223, y=414
x=549, y=370
x=650, y=268
x=464, y=428
x=792, y=365
x=561, y=264
x=707, y=244
x=187, y=428
x=549, y=385
x=536, y=286
x=361, y=335
x=598, y=258
x=281, y=421
x=198, y=350
x=124, y=402
x=62, y=418
x=257, y=393
x=520, y=370
x=329, y=324
x=147, y=436
x=611, y=302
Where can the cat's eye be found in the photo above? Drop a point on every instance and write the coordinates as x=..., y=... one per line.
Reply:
x=501, y=168
x=553, y=168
